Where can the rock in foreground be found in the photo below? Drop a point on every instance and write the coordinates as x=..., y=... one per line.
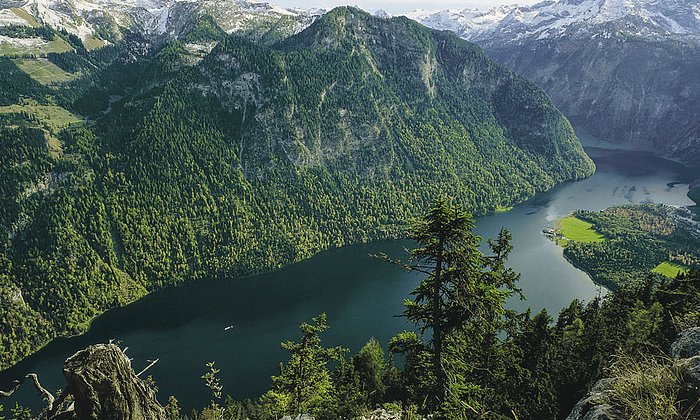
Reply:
x=104, y=386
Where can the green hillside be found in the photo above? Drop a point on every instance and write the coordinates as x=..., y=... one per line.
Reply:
x=252, y=158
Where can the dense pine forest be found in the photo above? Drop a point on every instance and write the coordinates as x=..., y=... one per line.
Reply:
x=145, y=166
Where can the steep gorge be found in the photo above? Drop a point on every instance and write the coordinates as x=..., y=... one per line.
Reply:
x=636, y=92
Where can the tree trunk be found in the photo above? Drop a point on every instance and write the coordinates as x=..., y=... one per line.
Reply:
x=440, y=377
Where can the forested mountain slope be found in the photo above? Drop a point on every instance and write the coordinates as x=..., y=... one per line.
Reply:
x=626, y=71
x=184, y=165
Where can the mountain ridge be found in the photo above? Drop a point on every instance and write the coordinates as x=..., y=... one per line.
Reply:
x=246, y=157
x=622, y=70
x=105, y=21
x=575, y=18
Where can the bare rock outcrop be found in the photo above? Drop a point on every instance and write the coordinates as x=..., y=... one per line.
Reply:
x=595, y=406
x=685, y=354
x=104, y=385
x=687, y=344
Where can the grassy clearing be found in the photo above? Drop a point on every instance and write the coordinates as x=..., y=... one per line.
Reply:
x=670, y=269
x=44, y=71
x=52, y=116
x=58, y=45
x=92, y=43
x=575, y=229
x=39, y=47
x=26, y=16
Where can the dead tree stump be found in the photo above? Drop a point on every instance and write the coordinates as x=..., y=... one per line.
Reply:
x=104, y=386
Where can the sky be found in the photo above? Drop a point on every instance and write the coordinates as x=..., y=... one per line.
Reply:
x=400, y=6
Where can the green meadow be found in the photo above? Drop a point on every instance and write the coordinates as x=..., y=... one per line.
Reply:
x=93, y=43
x=44, y=71
x=670, y=269
x=26, y=16
x=52, y=116
x=575, y=229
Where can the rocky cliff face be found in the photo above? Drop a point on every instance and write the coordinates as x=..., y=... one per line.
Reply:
x=624, y=70
x=633, y=91
x=601, y=402
x=694, y=192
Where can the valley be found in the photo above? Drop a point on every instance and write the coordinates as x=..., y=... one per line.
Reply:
x=200, y=183
x=184, y=326
x=249, y=159
x=622, y=70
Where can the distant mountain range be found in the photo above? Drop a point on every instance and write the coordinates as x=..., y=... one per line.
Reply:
x=157, y=20
x=624, y=70
x=588, y=19
x=551, y=19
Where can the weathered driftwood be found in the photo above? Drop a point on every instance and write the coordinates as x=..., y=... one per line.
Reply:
x=101, y=385
x=104, y=385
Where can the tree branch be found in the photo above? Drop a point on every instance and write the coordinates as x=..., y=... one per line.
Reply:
x=153, y=362
x=6, y=394
x=43, y=391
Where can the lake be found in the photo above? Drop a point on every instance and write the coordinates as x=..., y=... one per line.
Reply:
x=185, y=326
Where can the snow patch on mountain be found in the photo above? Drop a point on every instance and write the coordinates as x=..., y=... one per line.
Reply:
x=381, y=13
x=152, y=18
x=467, y=22
x=554, y=18
x=9, y=17
x=503, y=24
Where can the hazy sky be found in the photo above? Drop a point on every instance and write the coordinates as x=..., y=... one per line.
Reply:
x=400, y=6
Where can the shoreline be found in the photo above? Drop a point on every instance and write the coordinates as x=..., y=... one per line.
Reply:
x=588, y=140
x=599, y=283
x=609, y=287
x=496, y=209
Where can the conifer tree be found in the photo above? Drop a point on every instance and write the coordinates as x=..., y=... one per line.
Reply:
x=460, y=302
x=371, y=366
x=304, y=384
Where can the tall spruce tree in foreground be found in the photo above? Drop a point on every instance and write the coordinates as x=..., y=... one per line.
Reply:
x=460, y=303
